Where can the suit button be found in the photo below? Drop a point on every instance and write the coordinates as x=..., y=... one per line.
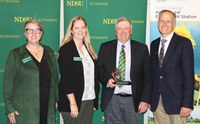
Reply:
x=161, y=77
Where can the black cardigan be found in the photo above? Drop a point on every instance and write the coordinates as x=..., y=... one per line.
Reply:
x=72, y=77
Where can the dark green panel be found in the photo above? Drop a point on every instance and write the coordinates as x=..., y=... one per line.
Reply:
x=13, y=14
x=101, y=16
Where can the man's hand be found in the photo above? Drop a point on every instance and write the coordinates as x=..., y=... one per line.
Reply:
x=111, y=83
x=185, y=112
x=143, y=107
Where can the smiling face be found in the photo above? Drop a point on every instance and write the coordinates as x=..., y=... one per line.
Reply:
x=166, y=23
x=33, y=33
x=79, y=30
x=123, y=31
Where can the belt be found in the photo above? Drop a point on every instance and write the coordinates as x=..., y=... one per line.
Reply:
x=124, y=95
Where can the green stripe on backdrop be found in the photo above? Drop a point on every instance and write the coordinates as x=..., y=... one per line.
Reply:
x=101, y=16
x=13, y=14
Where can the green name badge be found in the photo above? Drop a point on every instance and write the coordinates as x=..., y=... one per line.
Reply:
x=77, y=58
x=25, y=60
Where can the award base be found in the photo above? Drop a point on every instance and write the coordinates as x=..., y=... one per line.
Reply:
x=123, y=82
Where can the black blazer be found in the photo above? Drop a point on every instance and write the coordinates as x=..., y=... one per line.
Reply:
x=175, y=80
x=140, y=71
x=72, y=77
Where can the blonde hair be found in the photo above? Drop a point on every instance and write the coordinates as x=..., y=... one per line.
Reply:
x=68, y=36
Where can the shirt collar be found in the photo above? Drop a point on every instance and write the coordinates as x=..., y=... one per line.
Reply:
x=126, y=44
x=169, y=37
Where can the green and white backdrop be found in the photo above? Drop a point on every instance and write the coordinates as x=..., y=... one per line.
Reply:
x=100, y=15
x=13, y=14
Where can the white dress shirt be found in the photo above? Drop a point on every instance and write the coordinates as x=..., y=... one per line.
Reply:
x=168, y=38
x=125, y=88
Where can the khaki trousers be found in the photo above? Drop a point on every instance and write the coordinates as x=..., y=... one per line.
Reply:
x=161, y=117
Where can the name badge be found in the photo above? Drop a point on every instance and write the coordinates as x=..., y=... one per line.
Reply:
x=27, y=59
x=77, y=58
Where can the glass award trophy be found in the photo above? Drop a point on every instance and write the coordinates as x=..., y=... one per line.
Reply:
x=116, y=74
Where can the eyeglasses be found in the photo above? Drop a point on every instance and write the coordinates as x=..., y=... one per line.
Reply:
x=30, y=31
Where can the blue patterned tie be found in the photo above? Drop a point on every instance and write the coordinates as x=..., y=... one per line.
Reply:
x=122, y=62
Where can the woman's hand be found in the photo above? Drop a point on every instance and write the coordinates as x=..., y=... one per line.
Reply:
x=74, y=110
x=11, y=117
x=73, y=105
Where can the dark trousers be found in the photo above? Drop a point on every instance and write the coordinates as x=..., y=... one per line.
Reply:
x=84, y=116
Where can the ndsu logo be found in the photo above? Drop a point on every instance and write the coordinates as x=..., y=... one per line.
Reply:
x=75, y=3
x=109, y=21
x=21, y=19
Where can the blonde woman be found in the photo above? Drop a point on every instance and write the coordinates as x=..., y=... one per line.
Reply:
x=79, y=88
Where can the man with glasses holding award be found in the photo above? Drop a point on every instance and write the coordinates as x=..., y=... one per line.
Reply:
x=125, y=75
